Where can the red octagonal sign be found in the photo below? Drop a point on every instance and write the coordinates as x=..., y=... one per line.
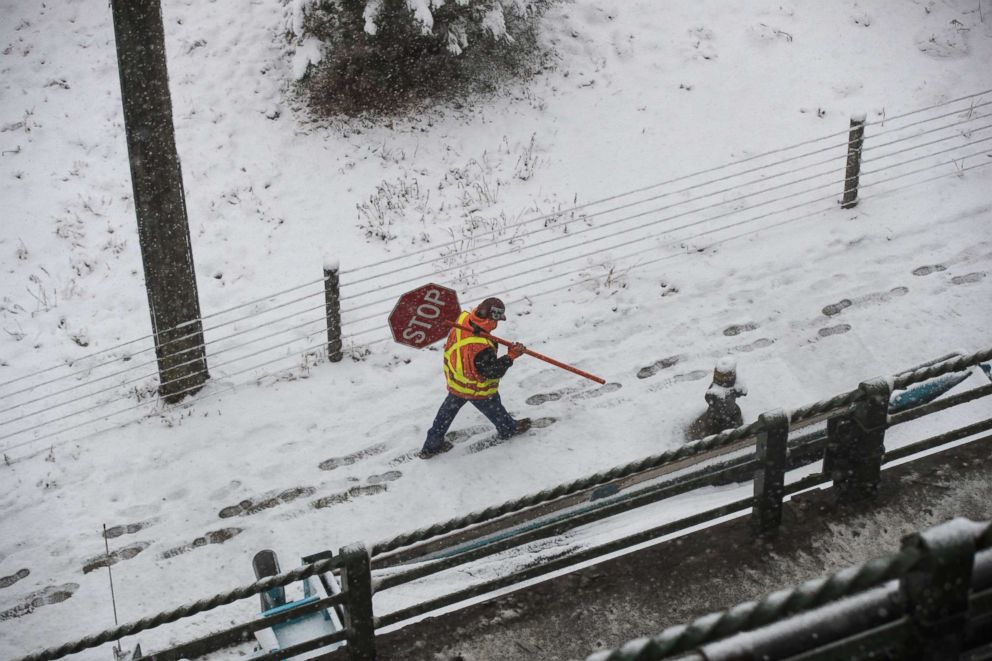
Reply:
x=423, y=316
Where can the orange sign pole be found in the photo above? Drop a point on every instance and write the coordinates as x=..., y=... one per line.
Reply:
x=539, y=356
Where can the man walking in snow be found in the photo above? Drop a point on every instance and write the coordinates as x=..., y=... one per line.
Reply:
x=472, y=371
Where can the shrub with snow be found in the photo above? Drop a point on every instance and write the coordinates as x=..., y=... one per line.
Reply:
x=389, y=55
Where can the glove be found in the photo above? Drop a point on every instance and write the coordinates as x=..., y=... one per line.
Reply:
x=516, y=350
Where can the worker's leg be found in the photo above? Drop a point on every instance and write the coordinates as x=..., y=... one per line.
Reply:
x=493, y=409
x=442, y=421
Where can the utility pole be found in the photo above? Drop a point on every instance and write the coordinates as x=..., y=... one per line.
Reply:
x=159, y=200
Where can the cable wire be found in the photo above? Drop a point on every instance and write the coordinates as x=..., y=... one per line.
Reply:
x=599, y=227
x=531, y=295
x=516, y=237
x=675, y=216
x=972, y=118
x=552, y=215
x=682, y=253
x=583, y=256
x=701, y=172
x=663, y=195
x=164, y=344
x=172, y=355
x=829, y=197
x=699, y=222
x=183, y=377
x=167, y=330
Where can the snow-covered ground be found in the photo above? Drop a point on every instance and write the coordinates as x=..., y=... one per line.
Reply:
x=755, y=261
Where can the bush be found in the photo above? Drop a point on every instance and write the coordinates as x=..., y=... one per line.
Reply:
x=390, y=55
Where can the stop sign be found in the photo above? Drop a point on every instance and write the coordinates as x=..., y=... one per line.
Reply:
x=423, y=316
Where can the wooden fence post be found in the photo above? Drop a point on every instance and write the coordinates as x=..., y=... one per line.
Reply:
x=856, y=444
x=332, y=303
x=854, y=142
x=159, y=200
x=937, y=589
x=769, y=478
x=356, y=584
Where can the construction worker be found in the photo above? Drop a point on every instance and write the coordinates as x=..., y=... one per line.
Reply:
x=472, y=371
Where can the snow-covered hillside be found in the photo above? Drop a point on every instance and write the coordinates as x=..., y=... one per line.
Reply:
x=646, y=289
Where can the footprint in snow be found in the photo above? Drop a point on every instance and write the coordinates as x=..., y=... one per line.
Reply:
x=53, y=594
x=212, y=537
x=349, y=459
x=653, y=369
x=7, y=581
x=454, y=437
x=104, y=560
x=737, y=329
x=971, y=278
x=869, y=299
x=126, y=529
x=836, y=308
x=694, y=375
x=388, y=476
x=251, y=506
x=761, y=343
x=839, y=329
x=573, y=393
x=928, y=269
x=350, y=494
x=494, y=440
x=462, y=435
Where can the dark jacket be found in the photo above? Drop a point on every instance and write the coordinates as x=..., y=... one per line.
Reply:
x=491, y=367
x=486, y=362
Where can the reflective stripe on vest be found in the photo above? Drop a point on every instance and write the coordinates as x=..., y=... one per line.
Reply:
x=459, y=363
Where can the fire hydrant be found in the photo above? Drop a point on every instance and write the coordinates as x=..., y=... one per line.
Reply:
x=722, y=411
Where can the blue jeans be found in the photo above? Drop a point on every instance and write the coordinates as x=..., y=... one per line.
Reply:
x=491, y=407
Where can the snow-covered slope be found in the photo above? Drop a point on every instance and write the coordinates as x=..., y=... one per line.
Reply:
x=318, y=456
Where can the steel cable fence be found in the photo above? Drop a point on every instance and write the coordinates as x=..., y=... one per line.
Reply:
x=970, y=110
x=554, y=264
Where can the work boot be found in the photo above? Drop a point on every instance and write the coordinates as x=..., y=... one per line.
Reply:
x=444, y=447
x=523, y=424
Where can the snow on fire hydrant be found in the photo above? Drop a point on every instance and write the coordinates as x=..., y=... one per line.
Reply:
x=722, y=411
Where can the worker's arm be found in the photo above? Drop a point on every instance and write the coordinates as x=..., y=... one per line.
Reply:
x=489, y=366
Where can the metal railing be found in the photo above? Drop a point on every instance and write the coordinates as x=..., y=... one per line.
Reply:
x=931, y=601
x=851, y=446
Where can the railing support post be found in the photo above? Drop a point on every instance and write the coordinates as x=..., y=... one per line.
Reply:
x=855, y=141
x=332, y=303
x=769, y=478
x=856, y=444
x=356, y=580
x=936, y=590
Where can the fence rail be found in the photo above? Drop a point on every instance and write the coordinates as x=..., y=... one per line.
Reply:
x=69, y=403
x=851, y=448
x=939, y=608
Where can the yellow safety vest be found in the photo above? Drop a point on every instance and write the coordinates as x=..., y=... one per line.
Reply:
x=459, y=363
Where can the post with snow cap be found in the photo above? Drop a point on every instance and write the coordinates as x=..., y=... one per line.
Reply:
x=769, y=477
x=359, y=617
x=332, y=306
x=854, y=142
x=856, y=444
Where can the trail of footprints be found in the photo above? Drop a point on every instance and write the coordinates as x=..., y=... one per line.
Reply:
x=830, y=310
x=378, y=483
